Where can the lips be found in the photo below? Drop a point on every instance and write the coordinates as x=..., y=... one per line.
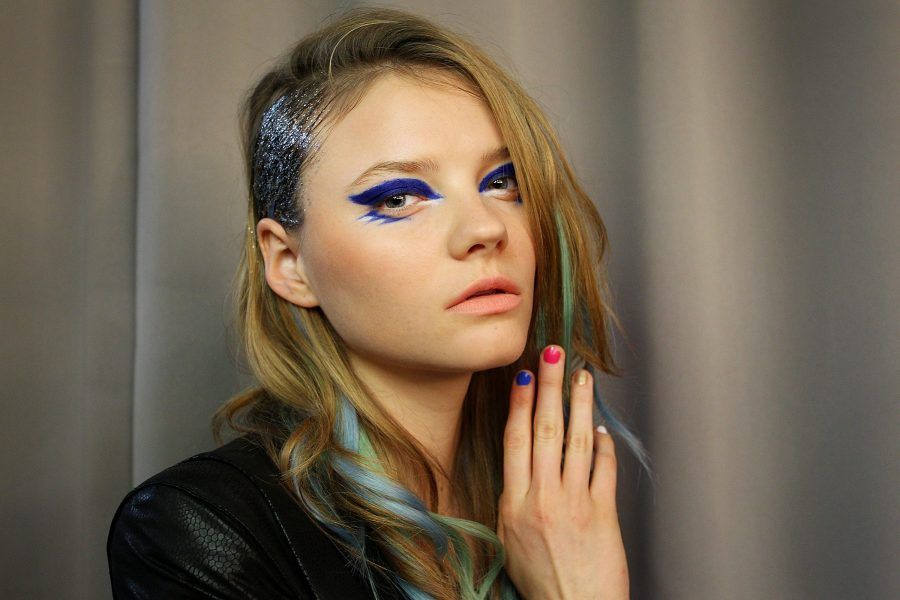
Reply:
x=487, y=286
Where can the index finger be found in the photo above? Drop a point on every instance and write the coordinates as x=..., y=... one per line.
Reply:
x=517, y=437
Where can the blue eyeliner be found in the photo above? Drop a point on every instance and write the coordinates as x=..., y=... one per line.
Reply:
x=416, y=187
x=506, y=170
x=393, y=187
x=385, y=190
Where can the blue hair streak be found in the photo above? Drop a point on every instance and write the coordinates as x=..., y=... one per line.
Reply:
x=604, y=413
x=375, y=486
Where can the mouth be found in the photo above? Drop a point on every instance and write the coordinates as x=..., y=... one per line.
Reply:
x=488, y=293
x=492, y=294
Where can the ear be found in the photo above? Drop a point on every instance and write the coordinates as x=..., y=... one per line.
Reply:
x=285, y=273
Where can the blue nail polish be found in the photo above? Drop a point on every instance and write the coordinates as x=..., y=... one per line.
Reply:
x=523, y=378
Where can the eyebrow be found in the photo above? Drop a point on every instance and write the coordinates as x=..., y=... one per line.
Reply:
x=425, y=165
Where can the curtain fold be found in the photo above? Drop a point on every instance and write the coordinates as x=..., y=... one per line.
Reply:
x=67, y=308
x=743, y=156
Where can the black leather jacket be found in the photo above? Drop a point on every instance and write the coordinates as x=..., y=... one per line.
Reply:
x=219, y=525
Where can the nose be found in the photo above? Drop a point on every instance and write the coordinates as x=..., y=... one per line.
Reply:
x=478, y=226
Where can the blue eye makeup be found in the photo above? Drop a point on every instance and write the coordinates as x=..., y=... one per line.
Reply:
x=379, y=194
x=501, y=172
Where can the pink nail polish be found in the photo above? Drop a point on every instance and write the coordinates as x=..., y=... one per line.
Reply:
x=552, y=354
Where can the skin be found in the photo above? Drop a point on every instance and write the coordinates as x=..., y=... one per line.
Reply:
x=561, y=530
x=385, y=286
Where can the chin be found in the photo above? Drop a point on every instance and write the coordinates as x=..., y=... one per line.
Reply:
x=498, y=354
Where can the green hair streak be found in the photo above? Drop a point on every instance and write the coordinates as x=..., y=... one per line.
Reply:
x=567, y=289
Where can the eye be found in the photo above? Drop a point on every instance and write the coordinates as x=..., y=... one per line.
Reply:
x=502, y=182
x=389, y=200
x=395, y=203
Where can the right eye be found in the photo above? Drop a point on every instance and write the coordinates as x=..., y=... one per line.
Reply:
x=392, y=200
x=394, y=204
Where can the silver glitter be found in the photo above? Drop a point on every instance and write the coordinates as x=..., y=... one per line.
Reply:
x=284, y=141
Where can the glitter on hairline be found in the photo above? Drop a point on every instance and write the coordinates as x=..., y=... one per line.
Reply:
x=284, y=141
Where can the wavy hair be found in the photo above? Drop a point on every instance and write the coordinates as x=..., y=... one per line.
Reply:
x=347, y=462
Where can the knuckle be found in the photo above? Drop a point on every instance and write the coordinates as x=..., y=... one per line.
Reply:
x=579, y=442
x=603, y=498
x=606, y=472
x=515, y=439
x=607, y=447
x=543, y=515
x=581, y=518
x=547, y=430
x=521, y=400
x=606, y=460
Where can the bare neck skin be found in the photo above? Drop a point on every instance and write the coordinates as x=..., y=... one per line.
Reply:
x=429, y=405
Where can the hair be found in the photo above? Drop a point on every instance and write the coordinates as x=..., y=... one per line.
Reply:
x=310, y=410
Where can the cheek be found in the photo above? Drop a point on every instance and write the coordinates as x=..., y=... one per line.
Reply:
x=524, y=249
x=366, y=282
x=340, y=269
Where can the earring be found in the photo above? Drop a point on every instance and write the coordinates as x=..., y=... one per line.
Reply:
x=252, y=235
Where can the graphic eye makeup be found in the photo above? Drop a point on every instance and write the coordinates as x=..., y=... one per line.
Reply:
x=380, y=196
x=504, y=173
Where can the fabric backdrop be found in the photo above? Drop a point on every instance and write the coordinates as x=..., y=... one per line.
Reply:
x=744, y=155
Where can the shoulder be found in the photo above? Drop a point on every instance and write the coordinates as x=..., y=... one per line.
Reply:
x=230, y=478
x=221, y=524
x=204, y=527
x=227, y=481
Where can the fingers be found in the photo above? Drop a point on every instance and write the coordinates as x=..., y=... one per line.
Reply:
x=603, y=479
x=517, y=437
x=533, y=444
x=580, y=432
x=548, y=420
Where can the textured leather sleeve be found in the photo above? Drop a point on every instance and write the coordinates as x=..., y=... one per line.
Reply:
x=167, y=542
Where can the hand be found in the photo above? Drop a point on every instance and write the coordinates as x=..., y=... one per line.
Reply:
x=558, y=522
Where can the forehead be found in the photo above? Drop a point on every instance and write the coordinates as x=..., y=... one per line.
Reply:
x=400, y=117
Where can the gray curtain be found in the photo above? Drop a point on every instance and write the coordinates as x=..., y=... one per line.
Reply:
x=744, y=156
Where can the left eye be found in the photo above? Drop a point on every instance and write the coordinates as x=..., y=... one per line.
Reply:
x=498, y=183
x=395, y=201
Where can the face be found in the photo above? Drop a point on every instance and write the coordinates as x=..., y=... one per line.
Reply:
x=385, y=252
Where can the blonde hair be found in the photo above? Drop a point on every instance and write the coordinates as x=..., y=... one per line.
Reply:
x=309, y=399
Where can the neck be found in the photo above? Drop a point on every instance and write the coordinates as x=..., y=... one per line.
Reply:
x=428, y=404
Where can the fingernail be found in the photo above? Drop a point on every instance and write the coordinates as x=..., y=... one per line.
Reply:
x=602, y=429
x=552, y=354
x=582, y=377
x=523, y=378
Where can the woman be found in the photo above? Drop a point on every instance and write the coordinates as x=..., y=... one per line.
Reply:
x=416, y=240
